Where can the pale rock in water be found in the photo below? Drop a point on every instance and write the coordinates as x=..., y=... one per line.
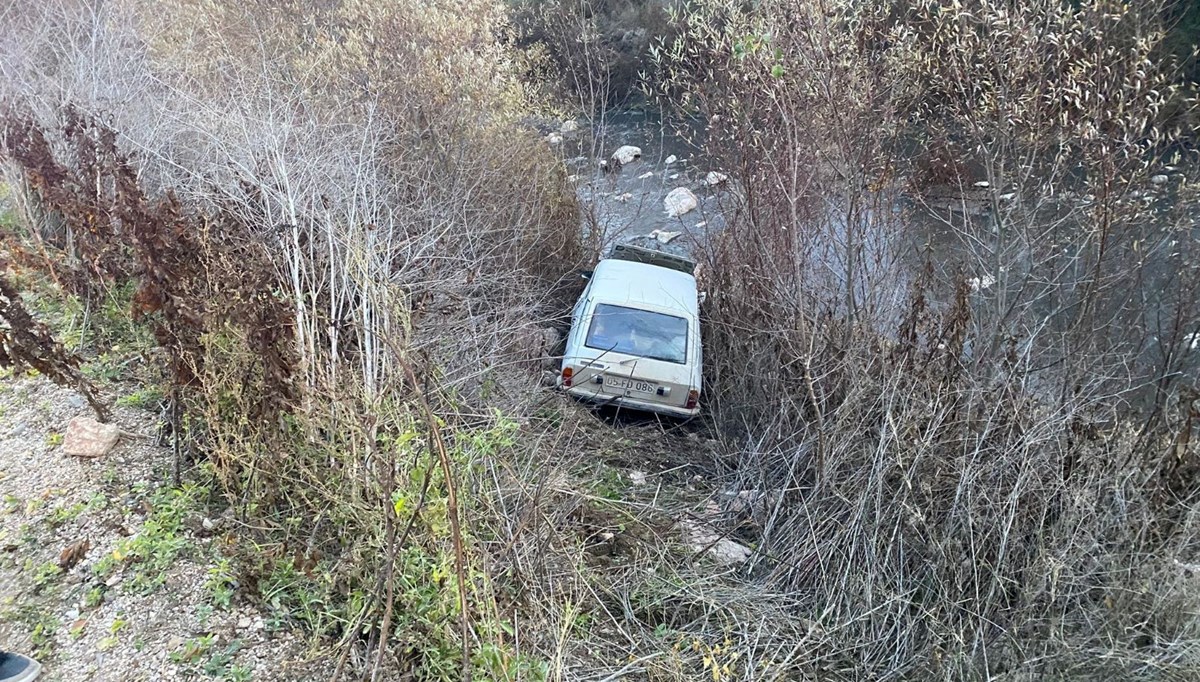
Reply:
x=679, y=201
x=670, y=160
x=981, y=283
x=715, y=178
x=663, y=236
x=568, y=127
x=86, y=437
x=627, y=154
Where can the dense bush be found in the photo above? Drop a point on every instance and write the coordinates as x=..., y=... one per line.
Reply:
x=343, y=241
x=939, y=405
x=593, y=55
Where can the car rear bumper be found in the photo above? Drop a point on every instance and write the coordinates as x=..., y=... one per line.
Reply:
x=591, y=395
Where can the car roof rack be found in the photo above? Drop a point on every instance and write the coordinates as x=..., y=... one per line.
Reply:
x=639, y=254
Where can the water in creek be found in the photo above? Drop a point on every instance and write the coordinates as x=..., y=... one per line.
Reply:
x=627, y=205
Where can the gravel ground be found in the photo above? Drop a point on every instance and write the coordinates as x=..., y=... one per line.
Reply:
x=49, y=502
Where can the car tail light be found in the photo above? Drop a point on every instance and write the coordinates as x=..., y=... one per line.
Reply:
x=567, y=373
x=693, y=399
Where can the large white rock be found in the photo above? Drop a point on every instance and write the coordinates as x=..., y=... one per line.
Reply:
x=627, y=154
x=86, y=437
x=679, y=201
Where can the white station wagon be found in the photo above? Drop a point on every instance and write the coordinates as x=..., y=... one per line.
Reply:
x=635, y=334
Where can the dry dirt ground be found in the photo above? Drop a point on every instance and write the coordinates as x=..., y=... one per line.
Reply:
x=108, y=613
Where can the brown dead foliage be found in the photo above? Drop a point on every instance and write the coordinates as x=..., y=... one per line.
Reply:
x=26, y=343
x=195, y=274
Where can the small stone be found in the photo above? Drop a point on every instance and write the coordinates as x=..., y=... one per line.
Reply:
x=670, y=160
x=981, y=283
x=700, y=537
x=647, y=174
x=208, y=524
x=1159, y=179
x=664, y=236
x=568, y=127
x=983, y=183
x=113, y=581
x=86, y=437
x=637, y=477
x=244, y=623
x=714, y=178
x=76, y=402
x=623, y=197
x=554, y=138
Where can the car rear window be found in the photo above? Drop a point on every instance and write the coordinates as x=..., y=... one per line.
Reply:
x=638, y=332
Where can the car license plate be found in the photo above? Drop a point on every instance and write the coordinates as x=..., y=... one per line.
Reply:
x=631, y=384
